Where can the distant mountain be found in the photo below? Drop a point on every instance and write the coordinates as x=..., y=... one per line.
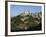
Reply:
x=26, y=21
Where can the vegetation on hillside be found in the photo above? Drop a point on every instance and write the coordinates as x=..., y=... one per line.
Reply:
x=26, y=23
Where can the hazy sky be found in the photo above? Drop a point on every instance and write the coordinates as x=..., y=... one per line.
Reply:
x=17, y=9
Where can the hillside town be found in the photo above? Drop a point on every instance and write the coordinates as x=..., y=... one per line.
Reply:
x=26, y=21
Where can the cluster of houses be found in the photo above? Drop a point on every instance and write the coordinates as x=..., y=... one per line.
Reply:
x=34, y=15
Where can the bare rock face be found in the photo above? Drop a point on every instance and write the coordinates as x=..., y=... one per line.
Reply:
x=26, y=21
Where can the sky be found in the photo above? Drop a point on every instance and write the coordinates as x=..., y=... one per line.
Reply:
x=18, y=9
